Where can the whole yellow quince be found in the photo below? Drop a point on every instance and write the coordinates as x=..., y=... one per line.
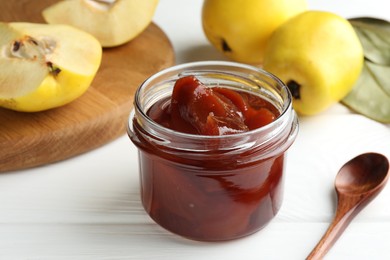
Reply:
x=241, y=29
x=319, y=57
x=45, y=66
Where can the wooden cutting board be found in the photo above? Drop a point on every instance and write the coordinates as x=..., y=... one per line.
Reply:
x=94, y=119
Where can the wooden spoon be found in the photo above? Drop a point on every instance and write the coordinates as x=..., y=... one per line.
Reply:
x=357, y=183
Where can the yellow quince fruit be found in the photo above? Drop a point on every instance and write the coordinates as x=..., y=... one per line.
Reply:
x=241, y=29
x=319, y=57
x=45, y=66
x=112, y=22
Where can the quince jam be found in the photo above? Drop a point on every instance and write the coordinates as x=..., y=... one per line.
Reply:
x=197, y=109
x=211, y=158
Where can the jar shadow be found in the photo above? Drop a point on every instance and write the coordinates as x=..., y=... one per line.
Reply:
x=200, y=53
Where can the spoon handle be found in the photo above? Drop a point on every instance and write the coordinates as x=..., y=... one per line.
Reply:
x=345, y=213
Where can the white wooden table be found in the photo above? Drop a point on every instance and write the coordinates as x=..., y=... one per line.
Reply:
x=88, y=207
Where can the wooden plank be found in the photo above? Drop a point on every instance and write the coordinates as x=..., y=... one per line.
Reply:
x=98, y=117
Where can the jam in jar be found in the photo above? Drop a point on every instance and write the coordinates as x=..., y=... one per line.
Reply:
x=212, y=140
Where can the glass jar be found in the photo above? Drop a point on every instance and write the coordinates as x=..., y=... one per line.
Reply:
x=212, y=188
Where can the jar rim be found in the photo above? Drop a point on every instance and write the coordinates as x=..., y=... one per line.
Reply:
x=287, y=106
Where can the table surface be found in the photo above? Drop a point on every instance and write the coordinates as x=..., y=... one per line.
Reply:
x=89, y=207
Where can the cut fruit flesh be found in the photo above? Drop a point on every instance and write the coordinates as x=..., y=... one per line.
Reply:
x=111, y=22
x=63, y=45
x=45, y=66
x=15, y=61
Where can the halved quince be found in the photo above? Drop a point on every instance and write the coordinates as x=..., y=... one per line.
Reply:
x=45, y=66
x=112, y=22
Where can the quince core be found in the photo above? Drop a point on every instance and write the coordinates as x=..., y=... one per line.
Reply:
x=45, y=66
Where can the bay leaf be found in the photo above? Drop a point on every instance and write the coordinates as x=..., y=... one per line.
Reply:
x=374, y=35
x=381, y=74
x=369, y=98
x=371, y=21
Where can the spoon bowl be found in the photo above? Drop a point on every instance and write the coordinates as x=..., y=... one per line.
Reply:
x=357, y=183
x=364, y=173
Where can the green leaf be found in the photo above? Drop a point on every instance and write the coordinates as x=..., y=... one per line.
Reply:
x=375, y=22
x=381, y=74
x=371, y=94
x=374, y=34
x=368, y=97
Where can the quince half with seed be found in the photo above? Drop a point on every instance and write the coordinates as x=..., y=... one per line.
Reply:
x=112, y=22
x=45, y=66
